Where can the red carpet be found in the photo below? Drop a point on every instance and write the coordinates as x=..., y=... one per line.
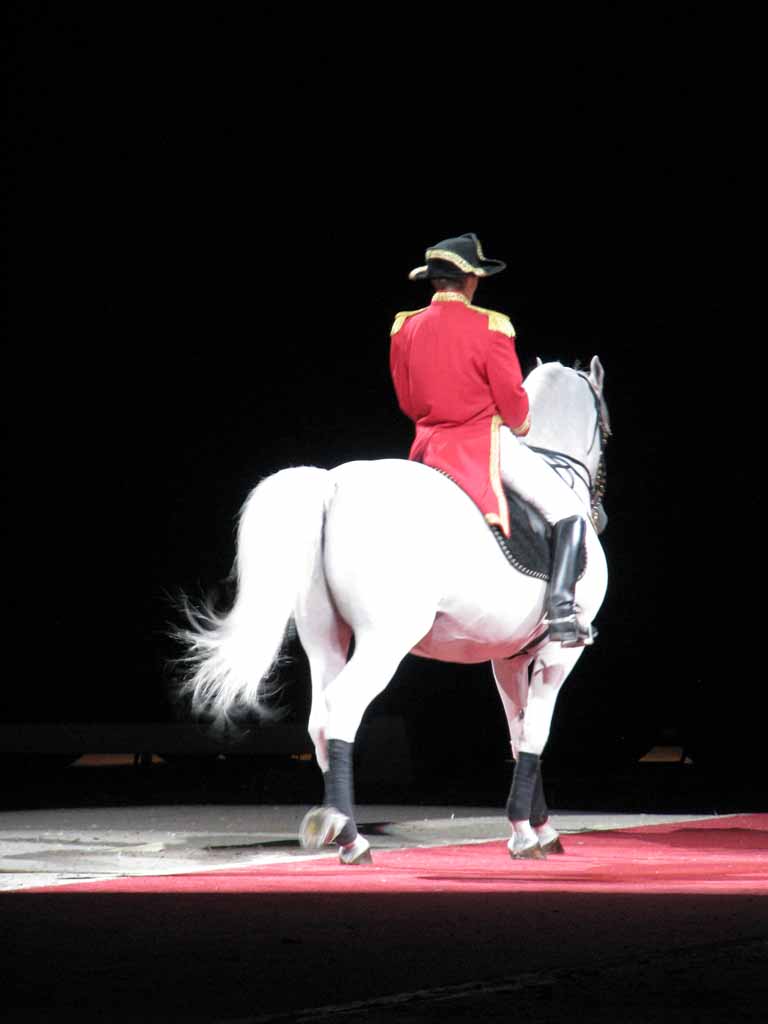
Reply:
x=614, y=923
x=713, y=856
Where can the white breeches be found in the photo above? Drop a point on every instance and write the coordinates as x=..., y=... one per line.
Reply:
x=528, y=475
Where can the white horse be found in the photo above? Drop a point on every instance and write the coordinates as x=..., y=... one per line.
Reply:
x=394, y=554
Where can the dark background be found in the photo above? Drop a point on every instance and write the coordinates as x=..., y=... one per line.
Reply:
x=212, y=218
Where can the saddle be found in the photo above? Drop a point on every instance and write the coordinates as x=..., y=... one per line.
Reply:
x=528, y=547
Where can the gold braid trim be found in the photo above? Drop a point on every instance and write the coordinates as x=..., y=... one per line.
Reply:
x=523, y=429
x=450, y=297
x=457, y=261
x=497, y=321
x=400, y=319
x=495, y=474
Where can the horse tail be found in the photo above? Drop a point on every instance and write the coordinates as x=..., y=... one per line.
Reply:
x=231, y=657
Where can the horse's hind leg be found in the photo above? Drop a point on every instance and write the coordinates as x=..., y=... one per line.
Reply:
x=326, y=638
x=346, y=698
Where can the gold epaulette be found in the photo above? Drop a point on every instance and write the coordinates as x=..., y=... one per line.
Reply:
x=497, y=321
x=400, y=319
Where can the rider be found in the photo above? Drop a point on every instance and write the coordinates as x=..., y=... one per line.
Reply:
x=457, y=376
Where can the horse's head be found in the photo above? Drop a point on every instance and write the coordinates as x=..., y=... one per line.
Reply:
x=569, y=416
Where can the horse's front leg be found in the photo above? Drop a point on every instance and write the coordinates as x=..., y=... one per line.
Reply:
x=512, y=680
x=534, y=836
x=529, y=703
x=548, y=837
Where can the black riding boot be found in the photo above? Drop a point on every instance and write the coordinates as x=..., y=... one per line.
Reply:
x=567, y=541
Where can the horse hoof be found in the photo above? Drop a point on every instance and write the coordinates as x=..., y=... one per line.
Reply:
x=553, y=846
x=320, y=827
x=532, y=852
x=358, y=852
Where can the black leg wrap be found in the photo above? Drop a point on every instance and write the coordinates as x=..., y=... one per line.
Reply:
x=524, y=777
x=539, y=809
x=339, y=787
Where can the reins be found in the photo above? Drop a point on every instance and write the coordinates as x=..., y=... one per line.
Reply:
x=561, y=461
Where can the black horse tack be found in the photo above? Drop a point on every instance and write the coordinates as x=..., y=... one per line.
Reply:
x=528, y=546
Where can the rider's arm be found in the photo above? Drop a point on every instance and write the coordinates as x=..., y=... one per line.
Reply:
x=506, y=382
x=398, y=368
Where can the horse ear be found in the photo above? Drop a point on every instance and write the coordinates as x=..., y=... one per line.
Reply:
x=539, y=361
x=597, y=374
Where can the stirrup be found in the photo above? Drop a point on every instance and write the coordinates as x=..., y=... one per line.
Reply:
x=570, y=633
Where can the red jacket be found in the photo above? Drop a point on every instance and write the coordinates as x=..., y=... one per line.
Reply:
x=457, y=376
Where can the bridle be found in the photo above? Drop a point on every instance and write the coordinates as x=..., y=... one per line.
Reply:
x=570, y=469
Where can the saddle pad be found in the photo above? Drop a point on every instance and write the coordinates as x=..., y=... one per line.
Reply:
x=528, y=546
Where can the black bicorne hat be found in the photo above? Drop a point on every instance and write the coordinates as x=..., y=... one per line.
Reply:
x=455, y=257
